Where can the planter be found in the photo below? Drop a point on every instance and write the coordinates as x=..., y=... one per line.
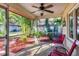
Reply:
x=36, y=40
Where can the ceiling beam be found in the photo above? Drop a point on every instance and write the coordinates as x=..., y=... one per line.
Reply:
x=16, y=8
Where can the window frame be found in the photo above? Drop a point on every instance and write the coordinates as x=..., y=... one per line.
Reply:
x=69, y=24
x=74, y=23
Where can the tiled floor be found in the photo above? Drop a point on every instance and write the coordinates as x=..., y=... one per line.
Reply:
x=42, y=49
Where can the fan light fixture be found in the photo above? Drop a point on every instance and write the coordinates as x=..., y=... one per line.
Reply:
x=43, y=8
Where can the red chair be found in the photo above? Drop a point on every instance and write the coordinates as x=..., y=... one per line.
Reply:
x=62, y=51
x=59, y=40
x=17, y=46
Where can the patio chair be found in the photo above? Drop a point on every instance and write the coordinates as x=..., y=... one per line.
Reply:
x=62, y=51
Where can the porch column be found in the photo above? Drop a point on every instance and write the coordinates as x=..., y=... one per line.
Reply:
x=7, y=34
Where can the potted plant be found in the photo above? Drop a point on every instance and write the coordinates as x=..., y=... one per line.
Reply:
x=37, y=36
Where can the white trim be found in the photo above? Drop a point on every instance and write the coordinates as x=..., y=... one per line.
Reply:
x=74, y=24
x=68, y=26
x=77, y=42
x=70, y=39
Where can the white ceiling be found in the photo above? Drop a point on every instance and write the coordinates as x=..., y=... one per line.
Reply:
x=58, y=8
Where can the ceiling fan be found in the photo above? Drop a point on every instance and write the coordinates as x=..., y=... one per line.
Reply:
x=43, y=8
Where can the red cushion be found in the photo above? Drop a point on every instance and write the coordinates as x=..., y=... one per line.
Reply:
x=59, y=40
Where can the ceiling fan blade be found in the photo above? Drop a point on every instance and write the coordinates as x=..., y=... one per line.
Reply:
x=35, y=11
x=35, y=6
x=49, y=11
x=49, y=6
